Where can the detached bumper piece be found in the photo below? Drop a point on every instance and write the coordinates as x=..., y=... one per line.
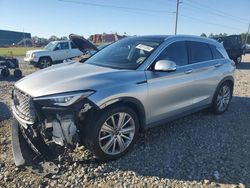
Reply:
x=27, y=155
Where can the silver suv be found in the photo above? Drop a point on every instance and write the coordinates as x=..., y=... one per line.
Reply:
x=129, y=86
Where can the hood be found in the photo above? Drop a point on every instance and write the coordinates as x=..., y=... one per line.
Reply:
x=73, y=76
x=82, y=43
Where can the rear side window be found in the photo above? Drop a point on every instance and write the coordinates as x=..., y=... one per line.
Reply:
x=176, y=52
x=215, y=52
x=198, y=52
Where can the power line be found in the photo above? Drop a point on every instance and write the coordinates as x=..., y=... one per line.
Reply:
x=214, y=11
x=114, y=6
x=206, y=22
x=191, y=7
x=148, y=11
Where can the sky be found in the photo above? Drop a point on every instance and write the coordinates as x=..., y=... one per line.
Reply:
x=44, y=18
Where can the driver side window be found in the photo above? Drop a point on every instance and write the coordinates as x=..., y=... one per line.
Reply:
x=176, y=52
x=58, y=46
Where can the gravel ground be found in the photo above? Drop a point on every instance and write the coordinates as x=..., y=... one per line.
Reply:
x=200, y=150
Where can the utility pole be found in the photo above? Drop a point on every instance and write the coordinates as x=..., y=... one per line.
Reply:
x=24, y=40
x=176, y=16
x=247, y=33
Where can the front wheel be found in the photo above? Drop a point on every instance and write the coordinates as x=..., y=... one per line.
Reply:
x=222, y=98
x=45, y=62
x=114, y=133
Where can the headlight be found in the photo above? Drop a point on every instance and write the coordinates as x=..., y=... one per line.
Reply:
x=63, y=99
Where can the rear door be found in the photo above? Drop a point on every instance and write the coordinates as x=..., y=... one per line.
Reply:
x=62, y=51
x=205, y=71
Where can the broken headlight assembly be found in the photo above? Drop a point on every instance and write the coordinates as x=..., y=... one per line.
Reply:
x=63, y=99
x=60, y=113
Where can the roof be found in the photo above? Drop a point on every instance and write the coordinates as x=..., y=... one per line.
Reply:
x=183, y=37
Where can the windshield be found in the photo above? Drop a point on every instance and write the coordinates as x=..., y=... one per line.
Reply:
x=128, y=53
x=50, y=46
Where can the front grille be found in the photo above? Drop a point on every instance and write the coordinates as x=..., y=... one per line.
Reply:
x=24, y=106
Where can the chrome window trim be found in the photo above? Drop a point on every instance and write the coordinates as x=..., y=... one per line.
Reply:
x=170, y=40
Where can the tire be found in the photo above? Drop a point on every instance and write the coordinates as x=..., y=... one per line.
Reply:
x=95, y=133
x=5, y=72
x=237, y=60
x=18, y=73
x=222, y=98
x=44, y=62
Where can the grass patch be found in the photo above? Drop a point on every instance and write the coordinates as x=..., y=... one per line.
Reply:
x=16, y=51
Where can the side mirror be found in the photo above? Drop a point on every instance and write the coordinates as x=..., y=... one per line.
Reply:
x=165, y=65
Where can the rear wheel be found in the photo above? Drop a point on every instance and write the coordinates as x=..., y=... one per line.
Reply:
x=5, y=72
x=222, y=98
x=45, y=62
x=114, y=133
x=17, y=73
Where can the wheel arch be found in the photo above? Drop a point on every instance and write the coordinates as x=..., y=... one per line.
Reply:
x=228, y=79
x=134, y=104
x=45, y=57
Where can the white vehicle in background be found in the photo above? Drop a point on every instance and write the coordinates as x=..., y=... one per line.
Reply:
x=54, y=52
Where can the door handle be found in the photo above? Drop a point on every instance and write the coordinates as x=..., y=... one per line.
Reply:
x=189, y=71
x=217, y=64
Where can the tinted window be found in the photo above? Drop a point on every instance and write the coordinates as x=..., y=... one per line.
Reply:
x=199, y=52
x=176, y=52
x=215, y=52
x=73, y=45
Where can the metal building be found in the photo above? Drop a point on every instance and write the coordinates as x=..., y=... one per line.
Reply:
x=12, y=37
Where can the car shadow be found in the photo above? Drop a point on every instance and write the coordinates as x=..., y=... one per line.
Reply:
x=243, y=65
x=198, y=147
x=4, y=112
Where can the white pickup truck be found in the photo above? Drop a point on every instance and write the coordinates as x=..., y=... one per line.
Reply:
x=54, y=52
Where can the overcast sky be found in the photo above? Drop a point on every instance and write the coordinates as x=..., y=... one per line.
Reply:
x=135, y=17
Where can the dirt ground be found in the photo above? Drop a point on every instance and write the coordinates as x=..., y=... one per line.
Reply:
x=200, y=150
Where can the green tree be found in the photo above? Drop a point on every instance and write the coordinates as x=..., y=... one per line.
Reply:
x=203, y=35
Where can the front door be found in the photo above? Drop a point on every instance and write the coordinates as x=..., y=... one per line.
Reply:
x=170, y=93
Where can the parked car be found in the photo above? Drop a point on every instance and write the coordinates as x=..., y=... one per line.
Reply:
x=129, y=86
x=88, y=48
x=7, y=63
x=87, y=54
x=54, y=52
x=247, y=48
x=233, y=45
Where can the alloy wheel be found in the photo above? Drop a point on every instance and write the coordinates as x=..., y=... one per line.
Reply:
x=223, y=98
x=45, y=63
x=117, y=133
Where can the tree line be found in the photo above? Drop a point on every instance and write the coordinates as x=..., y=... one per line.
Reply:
x=38, y=41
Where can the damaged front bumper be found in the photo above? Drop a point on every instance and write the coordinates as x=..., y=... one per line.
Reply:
x=53, y=127
x=26, y=157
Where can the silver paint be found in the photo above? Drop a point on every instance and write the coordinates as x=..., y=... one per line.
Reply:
x=162, y=94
